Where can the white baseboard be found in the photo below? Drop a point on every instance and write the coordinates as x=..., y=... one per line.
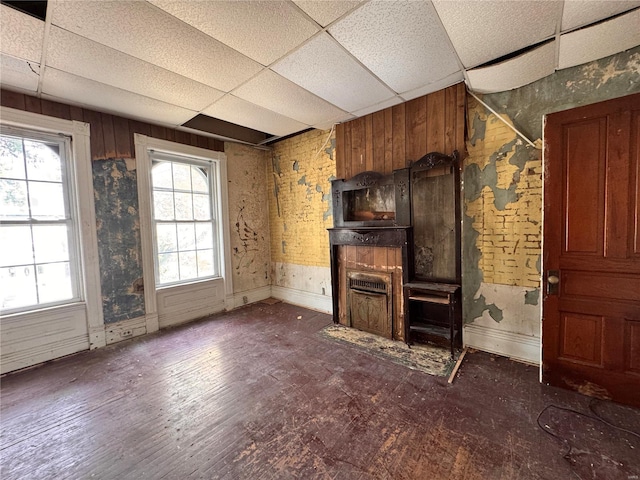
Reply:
x=312, y=301
x=508, y=344
x=125, y=329
x=248, y=296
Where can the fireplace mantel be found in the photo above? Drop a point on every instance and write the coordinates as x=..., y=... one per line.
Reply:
x=401, y=237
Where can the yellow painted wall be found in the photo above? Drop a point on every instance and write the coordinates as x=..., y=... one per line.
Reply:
x=510, y=229
x=298, y=178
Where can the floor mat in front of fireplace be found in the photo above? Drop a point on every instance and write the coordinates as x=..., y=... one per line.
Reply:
x=429, y=359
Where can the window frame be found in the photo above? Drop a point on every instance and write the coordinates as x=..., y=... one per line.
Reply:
x=212, y=175
x=143, y=144
x=71, y=214
x=80, y=178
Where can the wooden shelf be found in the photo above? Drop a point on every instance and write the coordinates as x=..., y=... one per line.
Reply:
x=430, y=299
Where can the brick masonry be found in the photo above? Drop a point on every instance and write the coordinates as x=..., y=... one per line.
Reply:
x=299, y=177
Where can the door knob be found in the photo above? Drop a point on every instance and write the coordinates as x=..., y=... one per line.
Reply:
x=553, y=279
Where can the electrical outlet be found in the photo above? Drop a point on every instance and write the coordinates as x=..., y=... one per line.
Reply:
x=126, y=333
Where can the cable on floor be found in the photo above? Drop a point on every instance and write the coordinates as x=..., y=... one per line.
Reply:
x=595, y=416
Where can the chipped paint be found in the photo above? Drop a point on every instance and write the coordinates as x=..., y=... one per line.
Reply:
x=607, y=78
x=531, y=297
x=248, y=216
x=301, y=211
x=118, y=231
x=502, y=223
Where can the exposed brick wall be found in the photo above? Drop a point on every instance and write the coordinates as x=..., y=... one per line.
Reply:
x=299, y=177
x=507, y=208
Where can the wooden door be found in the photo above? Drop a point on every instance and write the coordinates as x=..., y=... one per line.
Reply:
x=591, y=315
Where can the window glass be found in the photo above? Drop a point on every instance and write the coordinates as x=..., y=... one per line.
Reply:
x=38, y=260
x=185, y=244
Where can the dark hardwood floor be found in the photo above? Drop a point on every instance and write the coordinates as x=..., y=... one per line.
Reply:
x=259, y=394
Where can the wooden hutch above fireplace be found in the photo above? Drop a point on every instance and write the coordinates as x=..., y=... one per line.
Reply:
x=409, y=288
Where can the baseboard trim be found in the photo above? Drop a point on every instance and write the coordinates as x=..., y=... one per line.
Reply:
x=240, y=299
x=508, y=344
x=312, y=301
x=125, y=329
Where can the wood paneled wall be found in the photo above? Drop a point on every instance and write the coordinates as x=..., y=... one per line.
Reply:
x=385, y=141
x=391, y=138
x=111, y=135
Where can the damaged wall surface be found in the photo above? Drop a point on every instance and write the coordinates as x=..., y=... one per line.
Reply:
x=299, y=176
x=502, y=224
x=118, y=227
x=249, y=217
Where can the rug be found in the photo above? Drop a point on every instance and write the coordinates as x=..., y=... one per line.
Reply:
x=429, y=359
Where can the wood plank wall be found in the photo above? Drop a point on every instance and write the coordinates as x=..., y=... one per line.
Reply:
x=385, y=141
x=391, y=138
x=111, y=135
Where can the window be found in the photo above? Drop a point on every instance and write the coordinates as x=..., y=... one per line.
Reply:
x=184, y=219
x=38, y=233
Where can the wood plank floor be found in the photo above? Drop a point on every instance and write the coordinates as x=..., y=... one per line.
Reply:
x=259, y=394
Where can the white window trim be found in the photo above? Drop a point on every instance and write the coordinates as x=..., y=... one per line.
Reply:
x=143, y=144
x=82, y=184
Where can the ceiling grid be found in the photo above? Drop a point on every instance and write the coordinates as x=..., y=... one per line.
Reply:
x=283, y=66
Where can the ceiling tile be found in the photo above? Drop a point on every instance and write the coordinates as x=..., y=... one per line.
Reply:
x=600, y=40
x=327, y=11
x=235, y=110
x=324, y=68
x=273, y=92
x=262, y=30
x=578, y=13
x=485, y=30
x=515, y=72
x=80, y=56
x=105, y=98
x=378, y=106
x=146, y=32
x=402, y=43
x=20, y=34
x=330, y=124
x=19, y=73
x=452, y=79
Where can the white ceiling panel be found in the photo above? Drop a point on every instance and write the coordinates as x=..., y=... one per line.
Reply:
x=236, y=110
x=80, y=56
x=600, y=40
x=434, y=87
x=324, y=68
x=327, y=11
x=578, y=13
x=271, y=91
x=378, y=106
x=146, y=32
x=19, y=73
x=20, y=35
x=401, y=42
x=262, y=30
x=327, y=125
x=105, y=98
x=515, y=72
x=485, y=30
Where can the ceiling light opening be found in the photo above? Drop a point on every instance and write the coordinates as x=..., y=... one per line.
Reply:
x=36, y=9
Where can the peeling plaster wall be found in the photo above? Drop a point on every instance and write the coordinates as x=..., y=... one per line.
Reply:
x=248, y=217
x=119, y=248
x=502, y=225
x=299, y=173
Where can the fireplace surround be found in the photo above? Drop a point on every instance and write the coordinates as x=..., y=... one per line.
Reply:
x=416, y=211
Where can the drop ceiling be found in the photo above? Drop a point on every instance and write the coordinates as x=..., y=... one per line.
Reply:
x=282, y=66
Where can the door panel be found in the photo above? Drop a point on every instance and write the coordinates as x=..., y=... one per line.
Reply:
x=585, y=160
x=591, y=322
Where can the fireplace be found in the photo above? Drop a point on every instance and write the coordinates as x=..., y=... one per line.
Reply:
x=369, y=300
